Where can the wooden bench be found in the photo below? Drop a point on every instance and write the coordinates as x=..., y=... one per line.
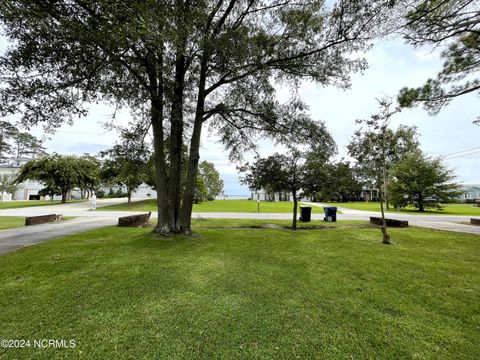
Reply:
x=474, y=221
x=134, y=220
x=390, y=222
x=42, y=219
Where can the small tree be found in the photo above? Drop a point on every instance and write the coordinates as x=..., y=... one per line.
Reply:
x=366, y=144
x=372, y=149
x=282, y=173
x=422, y=182
x=211, y=178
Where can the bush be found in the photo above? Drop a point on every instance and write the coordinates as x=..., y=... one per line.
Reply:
x=116, y=194
x=100, y=194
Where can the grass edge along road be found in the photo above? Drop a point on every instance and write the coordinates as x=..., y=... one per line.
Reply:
x=449, y=209
x=8, y=222
x=227, y=206
x=235, y=292
x=15, y=204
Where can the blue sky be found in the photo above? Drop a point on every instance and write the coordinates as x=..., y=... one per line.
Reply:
x=392, y=65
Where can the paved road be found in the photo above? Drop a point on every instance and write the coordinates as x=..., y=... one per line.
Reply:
x=88, y=220
x=12, y=239
x=439, y=222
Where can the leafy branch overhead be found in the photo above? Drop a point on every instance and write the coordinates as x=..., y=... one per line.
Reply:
x=455, y=25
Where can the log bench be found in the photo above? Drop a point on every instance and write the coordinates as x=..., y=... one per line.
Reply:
x=390, y=222
x=474, y=221
x=134, y=220
x=42, y=219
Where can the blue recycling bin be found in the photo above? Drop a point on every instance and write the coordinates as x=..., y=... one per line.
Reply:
x=330, y=213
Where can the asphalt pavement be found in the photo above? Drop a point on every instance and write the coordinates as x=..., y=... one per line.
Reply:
x=86, y=219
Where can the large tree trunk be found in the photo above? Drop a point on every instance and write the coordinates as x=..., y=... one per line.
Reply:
x=155, y=76
x=176, y=137
x=185, y=219
x=164, y=220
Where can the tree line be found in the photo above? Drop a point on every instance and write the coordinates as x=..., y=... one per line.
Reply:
x=389, y=161
x=121, y=165
x=182, y=65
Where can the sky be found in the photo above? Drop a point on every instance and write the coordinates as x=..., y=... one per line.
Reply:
x=392, y=65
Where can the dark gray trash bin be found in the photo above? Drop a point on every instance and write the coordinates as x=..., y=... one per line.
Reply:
x=305, y=213
x=330, y=213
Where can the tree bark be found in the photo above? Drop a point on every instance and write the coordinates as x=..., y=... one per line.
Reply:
x=129, y=196
x=176, y=136
x=185, y=218
x=64, y=196
x=155, y=76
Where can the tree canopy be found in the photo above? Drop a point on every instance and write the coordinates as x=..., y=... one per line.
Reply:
x=182, y=65
x=64, y=172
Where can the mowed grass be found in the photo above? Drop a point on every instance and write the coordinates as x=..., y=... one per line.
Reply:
x=448, y=209
x=235, y=293
x=28, y=203
x=245, y=206
x=7, y=222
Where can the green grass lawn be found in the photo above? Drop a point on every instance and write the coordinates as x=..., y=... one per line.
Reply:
x=246, y=206
x=449, y=209
x=7, y=222
x=235, y=293
x=28, y=203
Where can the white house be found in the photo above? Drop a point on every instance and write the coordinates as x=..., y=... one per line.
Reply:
x=471, y=192
x=27, y=190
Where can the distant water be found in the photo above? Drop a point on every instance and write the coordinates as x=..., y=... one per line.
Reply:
x=232, y=197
